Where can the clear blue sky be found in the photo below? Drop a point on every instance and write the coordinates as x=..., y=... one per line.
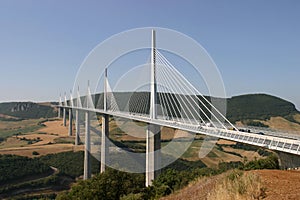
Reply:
x=255, y=44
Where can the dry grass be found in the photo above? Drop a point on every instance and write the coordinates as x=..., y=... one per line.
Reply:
x=226, y=142
x=51, y=132
x=280, y=123
x=196, y=190
x=42, y=149
x=44, y=138
x=13, y=142
x=54, y=127
x=136, y=131
x=240, y=186
x=251, y=155
x=297, y=117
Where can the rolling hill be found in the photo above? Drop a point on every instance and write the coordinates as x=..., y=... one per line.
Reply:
x=260, y=107
x=243, y=107
x=13, y=111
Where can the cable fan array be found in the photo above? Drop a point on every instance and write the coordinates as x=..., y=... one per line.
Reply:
x=178, y=100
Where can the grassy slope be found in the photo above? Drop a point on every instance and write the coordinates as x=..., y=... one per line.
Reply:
x=270, y=184
x=9, y=128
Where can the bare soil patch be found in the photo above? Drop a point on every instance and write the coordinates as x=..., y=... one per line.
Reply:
x=281, y=185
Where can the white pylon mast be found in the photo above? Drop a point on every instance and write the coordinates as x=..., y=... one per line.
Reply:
x=153, y=95
x=105, y=91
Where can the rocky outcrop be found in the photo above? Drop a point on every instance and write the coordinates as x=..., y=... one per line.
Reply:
x=24, y=106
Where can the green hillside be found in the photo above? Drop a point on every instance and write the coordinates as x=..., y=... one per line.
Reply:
x=259, y=106
x=26, y=110
x=243, y=107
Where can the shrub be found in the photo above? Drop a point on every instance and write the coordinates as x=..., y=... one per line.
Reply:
x=239, y=185
x=271, y=162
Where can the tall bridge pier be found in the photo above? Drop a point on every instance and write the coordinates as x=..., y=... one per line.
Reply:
x=105, y=128
x=104, y=142
x=58, y=112
x=287, y=160
x=64, y=117
x=153, y=143
x=87, y=148
x=77, y=127
x=179, y=95
x=70, y=133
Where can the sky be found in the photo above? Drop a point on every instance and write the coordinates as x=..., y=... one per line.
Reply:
x=255, y=44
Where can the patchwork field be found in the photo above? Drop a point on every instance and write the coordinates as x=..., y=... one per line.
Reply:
x=44, y=137
x=50, y=137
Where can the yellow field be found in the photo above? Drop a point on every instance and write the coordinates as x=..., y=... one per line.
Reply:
x=50, y=134
x=280, y=123
x=47, y=135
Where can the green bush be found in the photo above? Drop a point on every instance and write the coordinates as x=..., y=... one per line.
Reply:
x=69, y=163
x=14, y=167
x=35, y=153
x=271, y=162
x=110, y=185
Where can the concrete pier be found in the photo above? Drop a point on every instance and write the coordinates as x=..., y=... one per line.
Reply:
x=87, y=149
x=70, y=122
x=153, y=154
x=104, y=142
x=64, y=117
x=288, y=161
x=58, y=112
x=77, y=126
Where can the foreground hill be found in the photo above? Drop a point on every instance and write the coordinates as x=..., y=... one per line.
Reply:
x=269, y=185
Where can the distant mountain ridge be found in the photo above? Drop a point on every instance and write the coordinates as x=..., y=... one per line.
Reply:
x=27, y=110
x=242, y=107
x=259, y=106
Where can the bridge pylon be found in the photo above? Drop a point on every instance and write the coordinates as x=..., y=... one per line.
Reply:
x=153, y=139
x=105, y=128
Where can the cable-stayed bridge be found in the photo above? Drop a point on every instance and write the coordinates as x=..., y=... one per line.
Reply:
x=172, y=101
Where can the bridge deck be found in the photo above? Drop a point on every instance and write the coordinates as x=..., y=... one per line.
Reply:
x=279, y=143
